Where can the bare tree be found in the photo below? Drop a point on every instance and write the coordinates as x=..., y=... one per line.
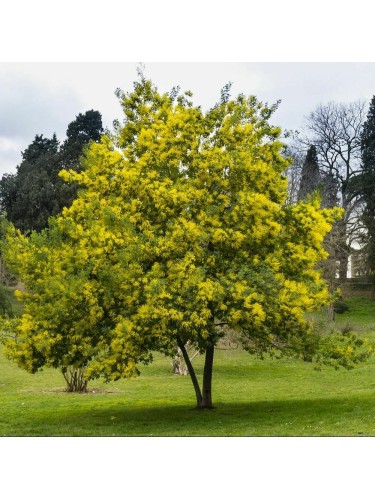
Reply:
x=335, y=130
x=293, y=172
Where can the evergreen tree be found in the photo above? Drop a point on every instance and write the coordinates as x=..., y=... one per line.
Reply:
x=85, y=128
x=310, y=175
x=36, y=192
x=366, y=186
x=28, y=196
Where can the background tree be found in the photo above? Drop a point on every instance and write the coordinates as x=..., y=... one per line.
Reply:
x=27, y=197
x=363, y=185
x=296, y=156
x=181, y=229
x=310, y=175
x=36, y=192
x=313, y=182
x=85, y=128
x=335, y=130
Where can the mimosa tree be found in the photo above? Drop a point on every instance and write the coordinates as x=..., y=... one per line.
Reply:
x=180, y=228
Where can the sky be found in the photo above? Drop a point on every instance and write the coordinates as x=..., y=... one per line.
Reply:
x=43, y=98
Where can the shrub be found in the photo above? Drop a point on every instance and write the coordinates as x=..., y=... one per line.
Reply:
x=340, y=307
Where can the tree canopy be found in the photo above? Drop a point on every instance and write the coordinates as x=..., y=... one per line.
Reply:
x=180, y=231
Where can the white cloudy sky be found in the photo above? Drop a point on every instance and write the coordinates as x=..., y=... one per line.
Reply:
x=43, y=98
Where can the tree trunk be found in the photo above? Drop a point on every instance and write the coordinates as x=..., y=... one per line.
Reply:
x=331, y=312
x=75, y=379
x=204, y=398
x=206, y=402
x=342, y=250
x=343, y=268
x=192, y=374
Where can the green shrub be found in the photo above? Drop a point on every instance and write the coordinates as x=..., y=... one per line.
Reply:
x=340, y=307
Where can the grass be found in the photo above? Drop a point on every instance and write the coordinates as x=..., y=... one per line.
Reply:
x=252, y=398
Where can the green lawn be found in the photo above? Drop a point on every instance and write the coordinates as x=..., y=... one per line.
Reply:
x=252, y=398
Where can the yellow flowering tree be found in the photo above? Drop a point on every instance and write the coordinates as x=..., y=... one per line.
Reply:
x=180, y=228
x=63, y=318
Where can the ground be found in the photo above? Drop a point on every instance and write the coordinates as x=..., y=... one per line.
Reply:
x=252, y=397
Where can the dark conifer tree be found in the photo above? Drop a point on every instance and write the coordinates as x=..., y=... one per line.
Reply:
x=27, y=197
x=366, y=187
x=84, y=129
x=36, y=192
x=310, y=175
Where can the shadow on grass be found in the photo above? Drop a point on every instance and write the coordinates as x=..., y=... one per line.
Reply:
x=352, y=416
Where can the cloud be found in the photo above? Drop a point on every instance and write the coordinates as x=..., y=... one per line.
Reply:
x=43, y=98
x=30, y=105
x=8, y=145
x=9, y=154
x=28, y=108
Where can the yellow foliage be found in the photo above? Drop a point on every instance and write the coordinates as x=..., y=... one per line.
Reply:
x=180, y=225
